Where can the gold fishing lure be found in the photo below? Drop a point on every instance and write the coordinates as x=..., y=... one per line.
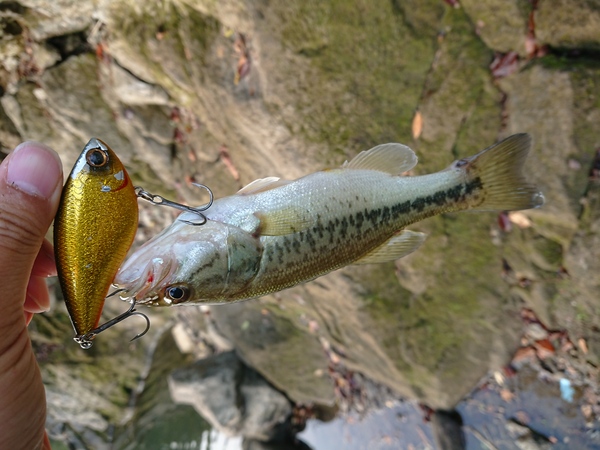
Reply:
x=93, y=230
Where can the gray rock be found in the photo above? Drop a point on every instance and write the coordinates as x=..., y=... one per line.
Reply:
x=569, y=23
x=501, y=24
x=526, y=439
x=49, y=18
x=232, y=397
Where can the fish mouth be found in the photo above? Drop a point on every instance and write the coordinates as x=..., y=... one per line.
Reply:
x=145, y=287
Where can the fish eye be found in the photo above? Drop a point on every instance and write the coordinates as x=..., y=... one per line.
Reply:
x=177, y=293
x=96, y=158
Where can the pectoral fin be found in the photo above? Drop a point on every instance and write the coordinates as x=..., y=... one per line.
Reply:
x=398, y=246
x=281, y=222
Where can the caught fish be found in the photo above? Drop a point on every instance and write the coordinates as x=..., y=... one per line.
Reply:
x=274, y=234
x=93, y=230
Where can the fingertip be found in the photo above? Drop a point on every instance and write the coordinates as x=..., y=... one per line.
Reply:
x=35, y=169
x=44, y=265
x=37, y=299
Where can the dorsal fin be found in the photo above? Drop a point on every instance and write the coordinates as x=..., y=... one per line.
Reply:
x=389, y=158
x=261, y=185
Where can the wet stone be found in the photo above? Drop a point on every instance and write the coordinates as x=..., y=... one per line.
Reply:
x=218, y=385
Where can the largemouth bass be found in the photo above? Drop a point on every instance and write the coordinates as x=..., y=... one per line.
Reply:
x=93, y=230
x=274, y=234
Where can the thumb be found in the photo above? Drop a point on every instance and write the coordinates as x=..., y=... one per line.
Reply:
x=30, y=186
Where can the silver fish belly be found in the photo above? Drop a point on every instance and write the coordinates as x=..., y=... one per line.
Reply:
x=274, y=234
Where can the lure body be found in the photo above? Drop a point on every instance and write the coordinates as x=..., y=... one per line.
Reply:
x=274, y=234
x=93, y=230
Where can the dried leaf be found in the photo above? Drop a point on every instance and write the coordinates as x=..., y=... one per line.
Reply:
x=244, y=60
x=499, y=378
x=544, y=349
x=504, y=222
x=519, y=219
x=586, y=410
x=507, y=395
x=524, y=354
x=226, y=158
x=192, y=155
x=583, y=345
x=417, y=125
x=504, y=64
x=334, y=358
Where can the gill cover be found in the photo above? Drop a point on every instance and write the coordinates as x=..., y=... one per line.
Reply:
x=186, y=263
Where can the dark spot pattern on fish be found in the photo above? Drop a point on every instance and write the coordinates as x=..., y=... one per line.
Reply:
x=279, y=251
x=296, y=244
x=211, y=262
x=318, y=243
x=344, y=227
x=287, y=244
x=456, y=193
x=330, y=228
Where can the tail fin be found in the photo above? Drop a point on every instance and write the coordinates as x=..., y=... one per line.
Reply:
x=499, y=168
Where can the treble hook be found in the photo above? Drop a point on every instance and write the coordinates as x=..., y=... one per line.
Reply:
x=85, y=340
x=161, y=201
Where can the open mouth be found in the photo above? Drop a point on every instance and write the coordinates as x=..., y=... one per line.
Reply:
x=145, y=288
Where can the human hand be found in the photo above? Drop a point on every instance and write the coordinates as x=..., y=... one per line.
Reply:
x=30, y=186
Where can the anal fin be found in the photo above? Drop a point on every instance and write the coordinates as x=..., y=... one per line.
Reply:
x=394, y=248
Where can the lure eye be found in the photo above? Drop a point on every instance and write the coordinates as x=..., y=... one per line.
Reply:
x=96, y=158
x=177, y=293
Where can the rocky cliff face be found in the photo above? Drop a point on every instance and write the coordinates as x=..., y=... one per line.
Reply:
x=223, y=92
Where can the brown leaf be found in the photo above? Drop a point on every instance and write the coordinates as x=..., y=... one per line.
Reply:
x=504, y=64
x=586, y=410
x=226, y=158
x=417, y=125
x=583, y=345
x=524, y=354
x=507, y=395
x=519, y=219
x=504, y=222
x=544, y=349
